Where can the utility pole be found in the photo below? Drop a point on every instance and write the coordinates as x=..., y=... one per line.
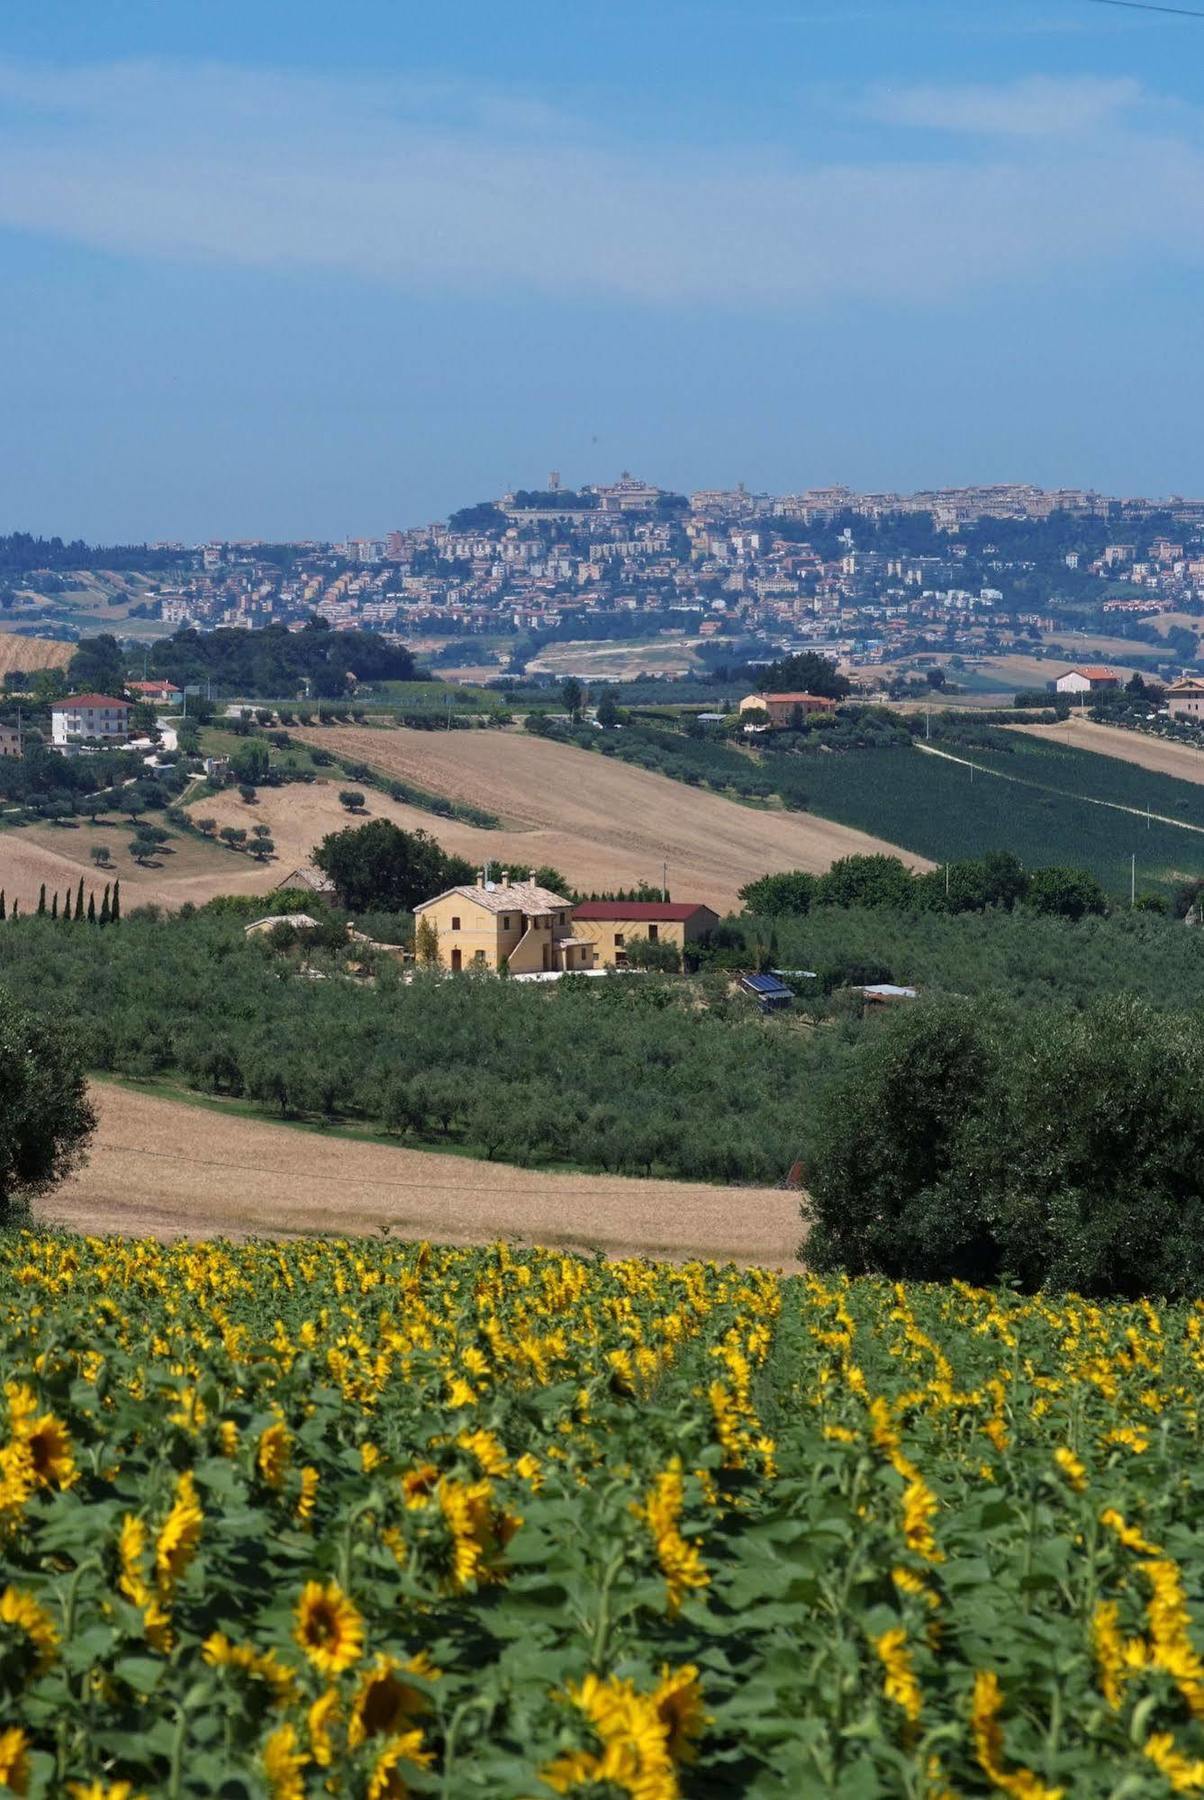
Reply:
x=664, y=881
x=1133, y=880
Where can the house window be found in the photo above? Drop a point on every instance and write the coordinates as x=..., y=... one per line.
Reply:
x=505, y=921
x=479, y=959
x=652, y=934
x=455, y=922
x=620, y=940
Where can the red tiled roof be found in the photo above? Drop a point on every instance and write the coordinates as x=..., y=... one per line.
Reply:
x=74, y=701
x=1095, y=672
x=638, y=909
x=798, y=699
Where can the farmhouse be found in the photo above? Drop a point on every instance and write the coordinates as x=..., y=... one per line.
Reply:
x=529, y=928
x=613, y=925
x=1092, y=678
x=89, y=716
x=779, y=711
x=159, y=693
x=1185, y=699
x=10, y=741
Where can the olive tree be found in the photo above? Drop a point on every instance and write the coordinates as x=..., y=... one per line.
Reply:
x=45, y=1118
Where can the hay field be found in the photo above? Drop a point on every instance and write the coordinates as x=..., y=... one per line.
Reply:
x=600, y=822
x=33, y=855
x=1126, y=746
x=617, y=659
x=164, y=1168
x=29, y=653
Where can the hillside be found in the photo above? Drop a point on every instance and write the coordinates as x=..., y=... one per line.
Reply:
x=602, y=823
x=165, y=1168
x=29, y=653
x=1181, y=760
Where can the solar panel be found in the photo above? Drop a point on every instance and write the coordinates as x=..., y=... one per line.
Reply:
x=766, y=985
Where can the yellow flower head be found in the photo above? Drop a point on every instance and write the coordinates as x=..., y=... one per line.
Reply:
x=678, y=1702
x=283, y=1764
x=899, y=1682
x=273, y=1455
x=14, y=1760
x=328, y=1628
x=1071, y=1468
x=319, y=1720
x=179, y=1535
x=386, y=1781
x=386, y=1704
x=21, y=1611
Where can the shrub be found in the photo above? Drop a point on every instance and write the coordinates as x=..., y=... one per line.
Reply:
x=45, y=1118
x=1051, y=1148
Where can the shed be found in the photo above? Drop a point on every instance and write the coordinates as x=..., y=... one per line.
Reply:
x=770, y=993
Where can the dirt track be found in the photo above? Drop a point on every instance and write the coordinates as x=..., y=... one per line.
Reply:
x=163, y=1168
x=600, y=822
x=1127, y=746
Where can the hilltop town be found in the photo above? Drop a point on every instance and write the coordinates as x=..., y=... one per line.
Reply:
x=686, y=583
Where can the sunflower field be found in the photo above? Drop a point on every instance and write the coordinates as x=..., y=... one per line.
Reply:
x=378, y=1519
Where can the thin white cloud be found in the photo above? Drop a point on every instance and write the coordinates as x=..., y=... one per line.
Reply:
x=439, y=187
x=1037, y=106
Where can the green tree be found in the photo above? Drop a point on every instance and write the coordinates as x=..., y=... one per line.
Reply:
x=45, y=1118
x=776, y=895
x=649, y=953
x=572, y=696
x=866, y=881
x=352, y=799
x=804, y=674
x=426, y=943
x=608, y=712
x=1066, y=893
x=380, y=867
x=102, y=856
x=251, y=762
x=97, y=666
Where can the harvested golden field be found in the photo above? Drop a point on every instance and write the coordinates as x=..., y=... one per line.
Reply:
x=600, y=822
x=29, y=653
x=618, y=661
x=165, y=1168
x=1127, y=746
x=34, y=855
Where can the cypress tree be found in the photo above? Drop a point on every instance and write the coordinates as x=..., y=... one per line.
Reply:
x=79, y=899
x=115, y=909
x=54, y=904
x=104, y=906
x=16, y=908
x=67, y=905
x=2, y=906
x=41, y=900
x=91, y=909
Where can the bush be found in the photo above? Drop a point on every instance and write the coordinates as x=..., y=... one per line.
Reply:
x=1049, y=1148
x=45, y=1118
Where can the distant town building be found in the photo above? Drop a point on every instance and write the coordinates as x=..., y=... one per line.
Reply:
x=1092, y=678
x=159, y=693
x=10, y=741
x=86, y=716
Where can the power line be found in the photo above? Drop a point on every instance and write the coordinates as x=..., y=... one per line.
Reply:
x=1182, y=12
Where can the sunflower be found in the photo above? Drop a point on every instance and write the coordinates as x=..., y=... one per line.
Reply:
x=48, y=1443
x=308, y=1495
x=20, y=1609
x=14, y=1760
x=385, y=1704
x=678, y=1701
x=419, y=1484
x=385, y=1783
x=322, y=1715
x=283, y=1763
x=180, y=1534
x=328, y=1629
x=274, y=1455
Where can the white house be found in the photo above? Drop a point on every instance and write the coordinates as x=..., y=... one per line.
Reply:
x=1092, y=678
x=89, y=716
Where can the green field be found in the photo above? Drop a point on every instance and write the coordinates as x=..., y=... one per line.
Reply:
x=1047, y=814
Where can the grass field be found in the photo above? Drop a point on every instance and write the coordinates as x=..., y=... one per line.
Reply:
x=166, y=1167
x=1183, y=761
x=601, y=823
x=380, y=1519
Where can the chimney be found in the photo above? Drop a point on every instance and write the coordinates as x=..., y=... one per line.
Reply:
x=480, y=878
x=505, y=878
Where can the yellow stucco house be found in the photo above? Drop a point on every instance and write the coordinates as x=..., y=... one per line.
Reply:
x=528, y=927
x=613, y=925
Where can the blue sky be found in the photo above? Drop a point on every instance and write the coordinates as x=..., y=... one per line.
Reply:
x=272, y=270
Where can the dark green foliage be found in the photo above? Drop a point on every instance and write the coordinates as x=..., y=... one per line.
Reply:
x=1067, y=893
x=45, y=1119
x=250, y=762
x=275, y=663
x=378, y=867
x=866, y=881
x=97, y=666
x=1053, y=1148
x=803, y=674
x=645, y=953
x=616, y=1074
x=792, y=892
